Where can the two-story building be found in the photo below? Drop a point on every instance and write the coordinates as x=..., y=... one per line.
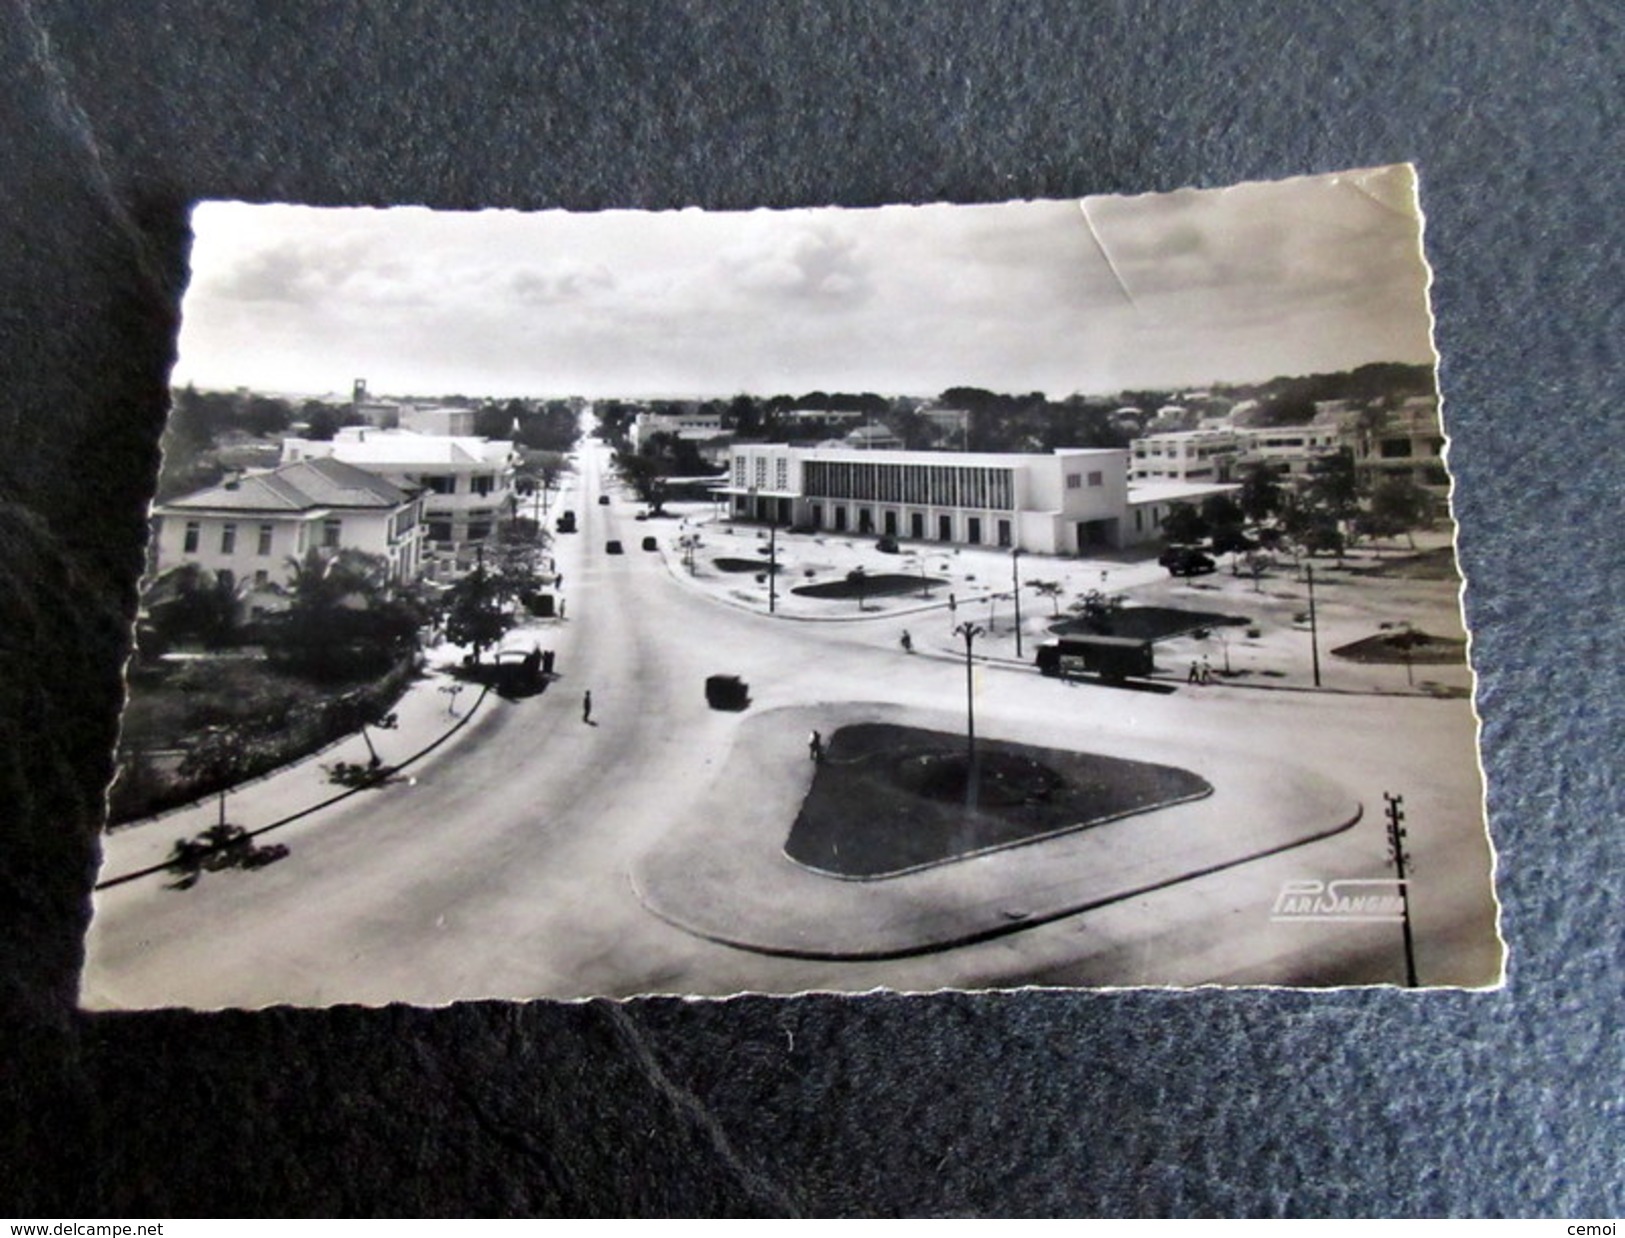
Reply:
x=1070, y=501
x=252, y=528
x=467, y=482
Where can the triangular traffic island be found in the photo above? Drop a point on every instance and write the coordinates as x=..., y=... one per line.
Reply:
x=835, y=861
x=889, y=800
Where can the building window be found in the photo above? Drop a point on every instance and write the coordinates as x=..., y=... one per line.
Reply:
x=193, y=532
x=228, y=538
x=1004, y=533
x=973, y=530
x=1074, y=481
x=1099, y=479
x=265, y=539
x=1396, y=448
x=332, y=530
x=482, y=484
x=440, y=485
x=478, y=531
x=945, y=528
x=262, y=577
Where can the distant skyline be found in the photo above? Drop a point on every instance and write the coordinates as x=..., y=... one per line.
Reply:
x=1159, y=291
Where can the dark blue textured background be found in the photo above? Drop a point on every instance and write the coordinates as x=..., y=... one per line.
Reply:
x=117, y=114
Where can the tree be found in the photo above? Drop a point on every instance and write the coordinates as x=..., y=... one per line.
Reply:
x=344, y=620
x=1183, y=525
x=1331, y=501
x=219, y=757
x=516, y=553
x=859, y=580
x=645, y=476
x=192, y=603
x=1260, y=495
x=1398, y=505
x=474, y=612
x=327, y=420
x=1051, y=589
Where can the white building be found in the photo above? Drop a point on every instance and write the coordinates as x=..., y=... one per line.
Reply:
x=694, y=425
x=1289, y=450
x=442, y=420
x=251, y=529
x=467, y=482
x=1070, y=501
x=1409, y=444
x=1203, y=456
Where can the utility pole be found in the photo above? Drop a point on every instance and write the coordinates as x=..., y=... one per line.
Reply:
x=1314, y=630
x=773, y=562
x=970, y=631
x=1015, y=592
x=1399, y=857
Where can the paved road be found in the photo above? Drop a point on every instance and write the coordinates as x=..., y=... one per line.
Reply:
x=502, y=872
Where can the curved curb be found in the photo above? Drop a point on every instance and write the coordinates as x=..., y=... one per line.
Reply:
x=722, y=875
x=151, y=869
x=991, y=932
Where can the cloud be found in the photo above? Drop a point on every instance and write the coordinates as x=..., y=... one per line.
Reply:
x=813, y=264
x=560, y=284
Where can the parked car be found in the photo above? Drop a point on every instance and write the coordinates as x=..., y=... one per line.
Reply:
x=650, y=543
x=1187, y=561
x=613, y=547
x=603, y=500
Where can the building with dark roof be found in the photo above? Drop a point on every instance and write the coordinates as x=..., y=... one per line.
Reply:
x=254, y=526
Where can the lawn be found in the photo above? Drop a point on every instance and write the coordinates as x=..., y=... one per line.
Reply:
x=1151, y=623
x=1405, y=645
x=182, y=697
x=880, y=585
x=889, y=799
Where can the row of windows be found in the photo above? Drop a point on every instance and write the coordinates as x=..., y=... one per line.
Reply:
x=943, y=528
x=332, y=534
x=479, y=483
x=931, y=484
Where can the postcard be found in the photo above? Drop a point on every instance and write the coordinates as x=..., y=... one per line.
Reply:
x=1048, y=593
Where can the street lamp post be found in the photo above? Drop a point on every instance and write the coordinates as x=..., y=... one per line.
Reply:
x=970, y=631
x=1314, y=628
x=1015, y=592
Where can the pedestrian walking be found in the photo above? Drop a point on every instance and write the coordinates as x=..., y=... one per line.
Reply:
x=1207, y=672
x=586, y=707
x=561, y=609
x=1196, y=674
x=907, y=642
x=815, y=748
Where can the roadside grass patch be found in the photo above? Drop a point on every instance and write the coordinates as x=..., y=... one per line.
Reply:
x=882, y=584
x=1394, y=648
x=746, y=565
x=1437, y=564
x=890, y=799
x=1151, y=623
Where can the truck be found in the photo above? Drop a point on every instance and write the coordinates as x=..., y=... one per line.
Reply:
x=1112, y=658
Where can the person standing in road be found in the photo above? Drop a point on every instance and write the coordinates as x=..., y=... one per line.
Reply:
x=586, y=707
x=815, y=748
x=1196, y=674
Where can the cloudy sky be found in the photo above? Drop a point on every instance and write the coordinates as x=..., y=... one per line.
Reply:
x=1162, y=290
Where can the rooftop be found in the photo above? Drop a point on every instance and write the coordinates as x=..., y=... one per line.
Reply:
x=298, y=487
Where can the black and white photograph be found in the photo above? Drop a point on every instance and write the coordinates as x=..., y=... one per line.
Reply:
x=917, y=598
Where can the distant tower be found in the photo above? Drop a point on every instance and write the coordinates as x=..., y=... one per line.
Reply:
x=358, y=394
